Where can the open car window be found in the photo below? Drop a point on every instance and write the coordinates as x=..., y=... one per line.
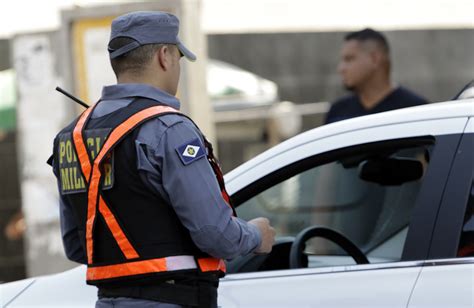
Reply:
x=366, y=196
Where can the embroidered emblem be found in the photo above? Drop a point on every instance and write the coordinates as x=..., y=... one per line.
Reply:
x=191, y=151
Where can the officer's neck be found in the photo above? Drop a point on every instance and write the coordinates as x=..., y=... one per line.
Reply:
x=148, y=79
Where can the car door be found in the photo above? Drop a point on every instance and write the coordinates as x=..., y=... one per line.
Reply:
x=392, y=224
x=447, y=279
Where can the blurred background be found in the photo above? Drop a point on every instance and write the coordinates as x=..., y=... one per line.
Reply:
x=266, y=71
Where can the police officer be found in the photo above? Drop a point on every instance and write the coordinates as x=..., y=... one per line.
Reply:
x=142, y=198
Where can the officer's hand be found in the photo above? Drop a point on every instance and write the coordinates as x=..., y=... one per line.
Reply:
x=267, y=232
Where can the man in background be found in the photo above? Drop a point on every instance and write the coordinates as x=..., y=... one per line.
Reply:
x=365, y=70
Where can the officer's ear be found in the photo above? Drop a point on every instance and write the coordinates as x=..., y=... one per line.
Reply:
x=164, y=54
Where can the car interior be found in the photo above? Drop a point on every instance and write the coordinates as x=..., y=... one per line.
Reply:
x=352, y=209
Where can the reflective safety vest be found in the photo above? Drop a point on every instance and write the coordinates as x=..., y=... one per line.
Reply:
x=130, y=233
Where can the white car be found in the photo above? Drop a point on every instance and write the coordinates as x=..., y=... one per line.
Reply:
x=233, y=88
x=375, y=211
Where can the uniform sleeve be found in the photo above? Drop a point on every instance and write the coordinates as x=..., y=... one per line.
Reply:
x=192, y=189
x=71, y=241
x=69, y=231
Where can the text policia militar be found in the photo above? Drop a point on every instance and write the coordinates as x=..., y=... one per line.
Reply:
x=72, y=180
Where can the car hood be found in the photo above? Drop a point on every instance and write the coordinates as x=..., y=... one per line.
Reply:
x=46, y=288
x=10, y=290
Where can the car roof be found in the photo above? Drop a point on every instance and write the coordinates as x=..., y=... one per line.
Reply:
x=443, y=110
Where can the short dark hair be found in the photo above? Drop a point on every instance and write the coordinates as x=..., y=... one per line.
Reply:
x=135, y=60
x=369, y=34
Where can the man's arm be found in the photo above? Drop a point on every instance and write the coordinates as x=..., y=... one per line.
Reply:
x=190, y=186
x=69, y=231
x=70, y=235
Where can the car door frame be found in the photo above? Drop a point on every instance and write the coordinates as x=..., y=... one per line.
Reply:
x=449, y=223
x=446, y=280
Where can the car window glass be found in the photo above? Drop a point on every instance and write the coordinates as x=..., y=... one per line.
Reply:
x=350, y=195
x=466, y=242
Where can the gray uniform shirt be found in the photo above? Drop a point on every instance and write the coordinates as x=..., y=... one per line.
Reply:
x=191, y=189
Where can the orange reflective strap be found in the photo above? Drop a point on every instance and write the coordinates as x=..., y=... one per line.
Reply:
x=84, y=161
x=127, y=126
x=119, y=236
x=81, y=150
x=93, y=192
x=211, y=265
x=126, y=269
x=93, y=177
x=175, y=263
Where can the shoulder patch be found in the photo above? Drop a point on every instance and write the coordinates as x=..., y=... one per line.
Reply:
x=191, y=151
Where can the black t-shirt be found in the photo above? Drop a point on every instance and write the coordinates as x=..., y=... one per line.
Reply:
x=351, y=107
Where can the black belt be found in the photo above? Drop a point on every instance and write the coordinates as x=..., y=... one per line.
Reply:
x=200, y=294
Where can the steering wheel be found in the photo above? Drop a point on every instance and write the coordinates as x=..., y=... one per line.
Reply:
x=299, y=260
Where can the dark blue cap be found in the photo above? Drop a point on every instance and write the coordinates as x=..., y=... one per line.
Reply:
x=147, y=28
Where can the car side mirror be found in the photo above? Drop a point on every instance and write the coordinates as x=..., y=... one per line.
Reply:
x=390, y=171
